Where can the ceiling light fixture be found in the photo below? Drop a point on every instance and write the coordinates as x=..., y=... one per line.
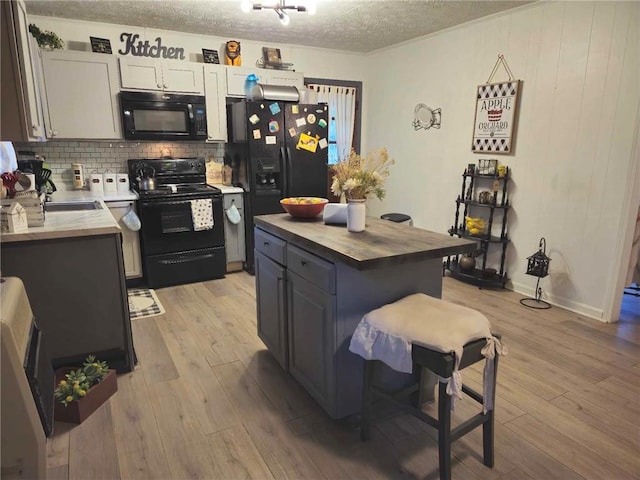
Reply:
x=280, y=7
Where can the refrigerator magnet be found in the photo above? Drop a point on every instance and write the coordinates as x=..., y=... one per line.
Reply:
x=254, y=119
x=294, y=109
x=311, y=118
x=300, y=122
x=307, y=142
x=270, y=140
x=292, y=132
x=275, y=108
x=322, y=122
x=256, y=134
x=262, y=106
x=323, y=143
x=273, y=126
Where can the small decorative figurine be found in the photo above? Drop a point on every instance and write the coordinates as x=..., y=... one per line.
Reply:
x=232, y=53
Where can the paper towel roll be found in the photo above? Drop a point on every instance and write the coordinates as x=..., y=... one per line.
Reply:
x=109, y=183
x=123, y=182
x=95, y=184
x=335, y=213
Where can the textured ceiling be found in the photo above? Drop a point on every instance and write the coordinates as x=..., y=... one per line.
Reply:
x=358, y=26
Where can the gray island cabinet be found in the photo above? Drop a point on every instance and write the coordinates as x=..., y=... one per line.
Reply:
x=314, y=282
x=73, y=272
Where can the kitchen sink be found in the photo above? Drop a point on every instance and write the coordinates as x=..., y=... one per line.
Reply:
x=72, y=206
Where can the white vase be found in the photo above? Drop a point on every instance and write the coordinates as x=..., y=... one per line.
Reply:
x=356, y=214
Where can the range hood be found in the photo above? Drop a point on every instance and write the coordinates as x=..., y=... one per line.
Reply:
x=276, y=92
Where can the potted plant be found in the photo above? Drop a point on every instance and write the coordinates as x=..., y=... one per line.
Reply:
x=46, y=39
x=81, y=391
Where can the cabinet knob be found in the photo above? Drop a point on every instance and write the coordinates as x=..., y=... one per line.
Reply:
x=303, y=263
x=159, y=85
x=266, y=244
x=34, y=128
x=164, y=86
x=55, y=133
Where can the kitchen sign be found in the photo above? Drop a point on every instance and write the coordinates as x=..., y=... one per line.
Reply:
x=138, y=48
x=496, y=108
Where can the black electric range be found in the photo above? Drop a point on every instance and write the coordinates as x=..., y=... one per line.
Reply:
x=182, y=233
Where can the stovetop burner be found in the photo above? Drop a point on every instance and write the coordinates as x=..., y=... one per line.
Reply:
x=173, y=176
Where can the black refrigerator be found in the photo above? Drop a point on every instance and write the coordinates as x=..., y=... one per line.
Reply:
x=276, y=150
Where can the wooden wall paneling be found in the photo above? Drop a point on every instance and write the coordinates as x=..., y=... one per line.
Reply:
x=605, y=194
x=140, y=449
x=589, y=165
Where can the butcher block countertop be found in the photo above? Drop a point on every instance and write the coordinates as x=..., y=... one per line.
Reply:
x=383, y=243
x=76, y=223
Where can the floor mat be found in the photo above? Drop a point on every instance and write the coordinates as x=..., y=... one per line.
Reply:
x=143, y=302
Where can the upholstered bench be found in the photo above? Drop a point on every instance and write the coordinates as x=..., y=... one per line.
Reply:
x=443, y=338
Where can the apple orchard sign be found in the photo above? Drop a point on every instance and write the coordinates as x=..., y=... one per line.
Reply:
x=138, y=48
x=496, y=108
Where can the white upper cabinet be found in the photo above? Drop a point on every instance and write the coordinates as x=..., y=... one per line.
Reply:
x=22, y=116
x=215, y=90
x=82, y=95
x=284, y=77
x=236, y=77
x=139, y=73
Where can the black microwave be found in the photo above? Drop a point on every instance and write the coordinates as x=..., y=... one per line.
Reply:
x=163, y=116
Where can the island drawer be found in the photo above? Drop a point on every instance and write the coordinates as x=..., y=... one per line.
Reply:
x=272, y=246
x=312, y=268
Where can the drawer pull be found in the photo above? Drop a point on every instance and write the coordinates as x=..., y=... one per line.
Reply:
x=266, y=244
x=303, y=263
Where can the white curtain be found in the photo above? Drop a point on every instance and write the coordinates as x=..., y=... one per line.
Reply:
x=342, y=106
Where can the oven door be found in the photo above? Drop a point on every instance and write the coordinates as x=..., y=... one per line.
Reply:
x=168, y=224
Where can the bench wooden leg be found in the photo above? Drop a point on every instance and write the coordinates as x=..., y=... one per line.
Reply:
x=367, y=400
x=444, y=431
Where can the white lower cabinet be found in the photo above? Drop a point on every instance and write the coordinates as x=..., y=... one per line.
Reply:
x=130, y=239
x=234, y=233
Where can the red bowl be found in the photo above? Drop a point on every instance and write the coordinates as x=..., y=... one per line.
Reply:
x=303, y=210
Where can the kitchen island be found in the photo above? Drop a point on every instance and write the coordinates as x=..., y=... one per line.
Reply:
x=73, y=272
x=314, y=282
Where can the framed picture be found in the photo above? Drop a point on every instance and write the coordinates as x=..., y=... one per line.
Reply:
x=210, y=56
x=100, y=45
x=271, y=55
x=496, y=113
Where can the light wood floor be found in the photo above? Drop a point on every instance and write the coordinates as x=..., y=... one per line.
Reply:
x=208, y=401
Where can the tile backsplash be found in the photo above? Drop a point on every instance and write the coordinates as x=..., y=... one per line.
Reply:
x=102, y=157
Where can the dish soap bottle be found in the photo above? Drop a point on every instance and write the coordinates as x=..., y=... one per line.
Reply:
x=249, y=84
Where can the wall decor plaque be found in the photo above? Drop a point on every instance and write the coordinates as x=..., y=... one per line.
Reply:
x=100, y=45
x=210, y=56
x=496, y=113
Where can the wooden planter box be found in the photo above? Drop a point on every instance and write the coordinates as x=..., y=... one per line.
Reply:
x=79, y=411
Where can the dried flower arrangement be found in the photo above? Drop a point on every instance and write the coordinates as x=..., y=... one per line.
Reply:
x=358, y=177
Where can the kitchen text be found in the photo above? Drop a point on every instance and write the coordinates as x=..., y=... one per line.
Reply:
x=144, y=49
